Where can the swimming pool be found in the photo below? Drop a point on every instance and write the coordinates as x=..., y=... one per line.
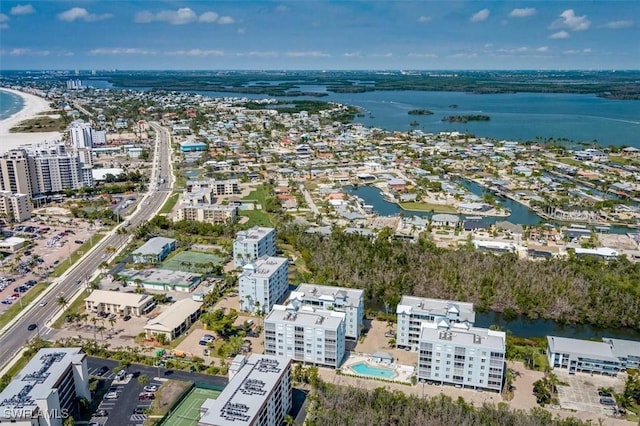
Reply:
x=365, y=369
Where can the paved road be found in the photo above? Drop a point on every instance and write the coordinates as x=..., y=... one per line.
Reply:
x=15, y=337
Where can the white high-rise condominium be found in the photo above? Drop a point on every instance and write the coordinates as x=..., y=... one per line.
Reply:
x=309, y=335
x=462, y=355
x=252, y=244
x=263, y=284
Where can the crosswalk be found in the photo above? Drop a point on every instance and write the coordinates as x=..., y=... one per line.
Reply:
x=138, y=418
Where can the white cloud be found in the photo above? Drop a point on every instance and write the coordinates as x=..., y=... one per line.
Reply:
x=282, y=8
x=560, y=35
x=569, y=20
x=208, y=17
x=587, y=50
x=20, y=9
x=4, y=21
x=480, y=16
x=182, y=16
x=616, y=25
x=352, y=54
x=577, y=51
x=542, y=49
x=514, y=50
x=121, y=51
x=380, y=55
x=81, y=14
x=226, y=20
x=29, y=52
x=422, y=55
x=308, y=54
x=196, y=52
x=241, y=31
x=522, y=13
x=464, y=55
x=488, y=45
x=260, y=54
x=424, y=19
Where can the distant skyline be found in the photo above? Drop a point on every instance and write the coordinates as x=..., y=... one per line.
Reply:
x=320, y=34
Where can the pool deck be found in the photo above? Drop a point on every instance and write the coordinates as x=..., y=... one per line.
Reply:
x=403, y=372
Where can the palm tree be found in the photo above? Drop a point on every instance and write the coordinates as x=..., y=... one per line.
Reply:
x=62, y=301
x=112, y=322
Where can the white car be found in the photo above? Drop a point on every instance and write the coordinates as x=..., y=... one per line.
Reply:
x=111, y=395
x=43, y=303
x=150, y=388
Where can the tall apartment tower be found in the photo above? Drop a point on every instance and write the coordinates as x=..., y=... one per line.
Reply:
x=18, y=172
x=80, y=134
x=263, y=284
x=252, y=244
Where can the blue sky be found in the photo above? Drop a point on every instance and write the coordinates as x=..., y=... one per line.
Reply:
x=320, y=34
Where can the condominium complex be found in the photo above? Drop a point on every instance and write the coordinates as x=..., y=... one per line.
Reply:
x=41, y=170
x=45, y=391
x=608, y=357
x=252, y=244
x=218, y=187
x=340, y=299
x=214, y=214
x=263, y=284
x=259, y=394
x=461, y=355
x=14, y=207
x=82, y=135
x=413, y=311
x=309, y=335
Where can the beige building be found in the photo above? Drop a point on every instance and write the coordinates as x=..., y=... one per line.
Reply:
x=175, y=320
x=214, y=214
x=116, y=302
x=12, y=244
x=14, y=207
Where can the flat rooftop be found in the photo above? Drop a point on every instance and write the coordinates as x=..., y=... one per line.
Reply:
x=118, y=298
x=623, y=348
x=254, y=234
x=162, y=276
x=467, y=336
x=264, y=267
x=585, y=348
x=436, y=307
x=154, y=246
x=37, y=380
x=246, y=393
x=307, y=316
x=305, y=291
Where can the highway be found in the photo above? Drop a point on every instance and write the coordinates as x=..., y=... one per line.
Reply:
x=15, y=337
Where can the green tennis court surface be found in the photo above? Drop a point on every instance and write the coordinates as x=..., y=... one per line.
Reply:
x=187, y=413
x=191, y=261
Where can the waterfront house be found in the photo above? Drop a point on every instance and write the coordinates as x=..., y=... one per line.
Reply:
x=449, y=220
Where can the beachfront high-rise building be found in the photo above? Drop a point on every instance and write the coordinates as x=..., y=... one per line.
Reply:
x=413, y=311
x=252, y=244
x=41, y=170
x=259, y=394
x=80, y=134
x=461, y=355
x=306, y=334
x=14, y=207
x=263, y=283
x=340, y=299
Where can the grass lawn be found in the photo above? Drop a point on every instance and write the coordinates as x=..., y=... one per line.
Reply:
x=623, y=161
x=427, y=207
x=26, y=298
x=170, y=204
x=73, y=307
x=257, y=218
x=572, y=162
x=80, y=251
x=40, y=124
x=259, y=194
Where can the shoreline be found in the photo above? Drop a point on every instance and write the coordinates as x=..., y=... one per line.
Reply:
x=32, y=106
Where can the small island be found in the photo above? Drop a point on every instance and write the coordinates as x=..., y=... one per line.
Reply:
x=466, y=118
x=420, y=112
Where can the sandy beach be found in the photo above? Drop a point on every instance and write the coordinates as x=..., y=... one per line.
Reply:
x=33, y=105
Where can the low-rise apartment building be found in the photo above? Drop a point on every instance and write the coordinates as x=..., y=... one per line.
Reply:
x=155, y=250
x=413, y=311
x=308, y=335
x=252, y=244
x=340, y=299
x=462, y=356
x=175, y=320
x=218, y=187
x=215, y=214
x=119, y=303
x=259, y=394
x=263, y=284
x=45, y=391
x=608, y=357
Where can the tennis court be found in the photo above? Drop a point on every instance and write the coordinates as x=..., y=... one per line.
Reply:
x=187, y=413
x=191, y=261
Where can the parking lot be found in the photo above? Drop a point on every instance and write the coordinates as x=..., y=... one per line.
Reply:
x=124, y=404
x=582, y=392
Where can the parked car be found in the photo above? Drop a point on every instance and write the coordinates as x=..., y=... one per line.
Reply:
x=102, y=413
x=121, y=374
x=111, y=395
x=150, y=388
x=608, y=401
x=126, y=318
x=103, y=370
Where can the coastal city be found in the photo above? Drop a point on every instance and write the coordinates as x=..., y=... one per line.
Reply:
x=199, y=279
x=319, y=213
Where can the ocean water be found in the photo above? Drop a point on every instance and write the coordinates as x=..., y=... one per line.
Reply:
x=9, y=104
